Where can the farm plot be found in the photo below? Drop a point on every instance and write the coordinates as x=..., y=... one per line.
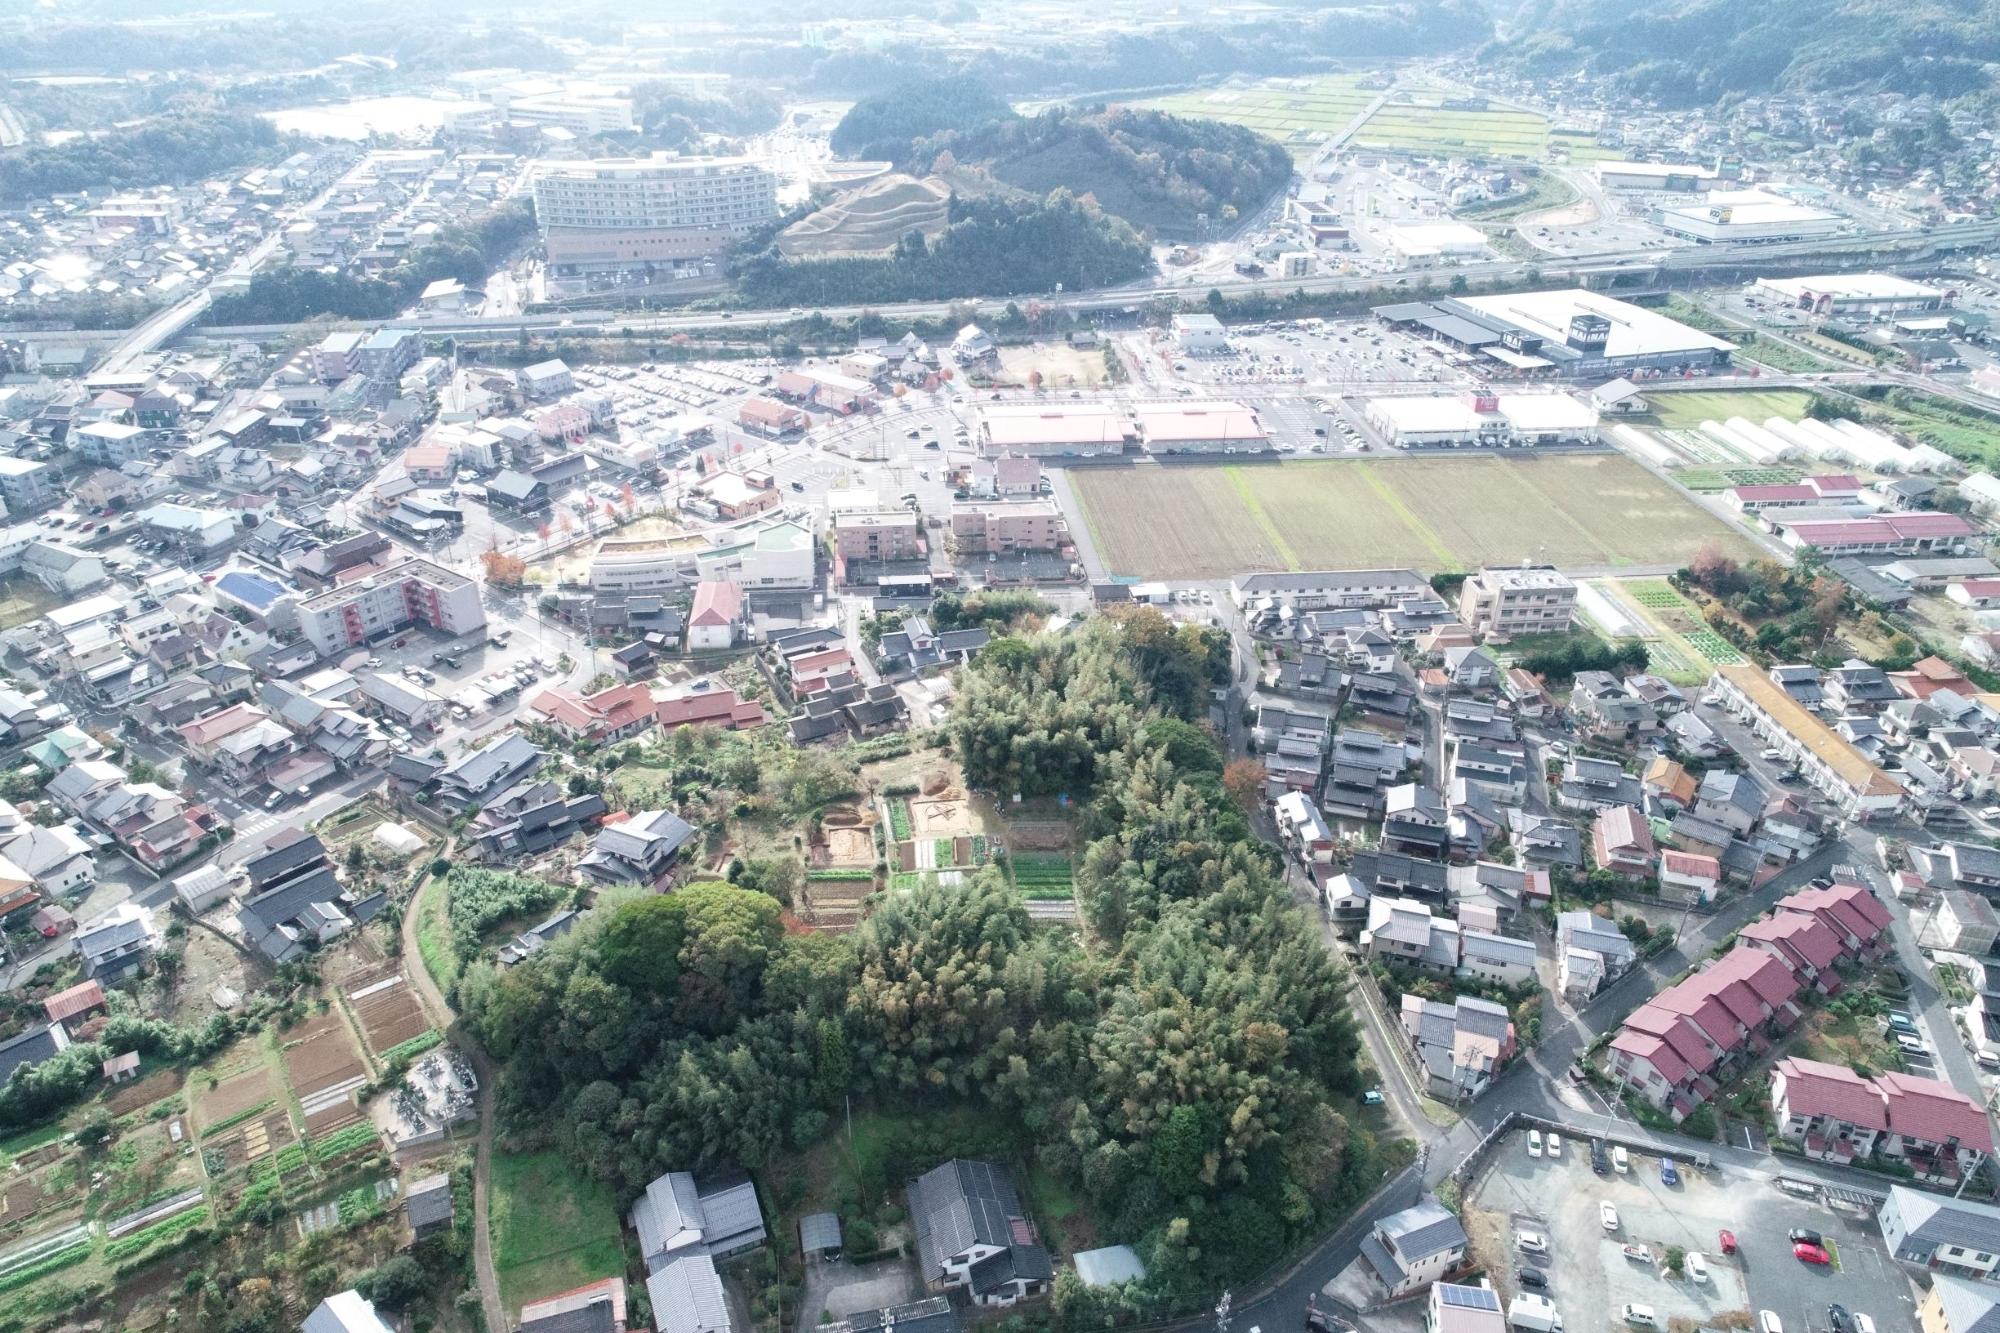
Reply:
x=1495, y=131
x=1682, y=647
x=388, y=1012
x=137, y=1096
x=1044, y=876
x=1602, y=510
x=1722, y=478
x=324, y=1069
x=234, y=1098
x=1297, y=112
x=1686, y=411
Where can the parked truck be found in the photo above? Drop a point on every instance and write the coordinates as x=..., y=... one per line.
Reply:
x=1536, y=1314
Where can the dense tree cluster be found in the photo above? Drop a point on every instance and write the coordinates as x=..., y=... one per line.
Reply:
x=1558, y=662
x=469, y=254
x=886, y=124
x=989, y=248
x=1695, y=51
x=1790, y=611
x=670, y=118
x=169, y=150
x=1180, y=1071
x=32, y=1095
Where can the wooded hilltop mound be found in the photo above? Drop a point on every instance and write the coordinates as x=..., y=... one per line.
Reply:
x=1157, y=171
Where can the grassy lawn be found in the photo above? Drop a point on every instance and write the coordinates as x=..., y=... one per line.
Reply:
x=29, y=1139
x=1782, y=356
x=434, y=935
x=1547, y=190
x=1686, y=411
x=1963, y=432
x=552, y=1229
x=22, y=600
x=1846, y=1039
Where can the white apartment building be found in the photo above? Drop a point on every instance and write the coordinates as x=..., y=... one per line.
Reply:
x=627, y=212
x=415, y=592
x=1510, y=601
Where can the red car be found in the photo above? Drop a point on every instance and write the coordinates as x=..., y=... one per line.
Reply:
x=1727, y=1240
x=1812, y=1254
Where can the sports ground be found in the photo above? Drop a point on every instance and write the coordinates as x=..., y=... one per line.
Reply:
x=1580, y=511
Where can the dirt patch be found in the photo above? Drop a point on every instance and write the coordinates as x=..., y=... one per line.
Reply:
x=850, y=846
x=144, y=1092
x=835, y=904
x=235, y=1095
x=841, y=816
x=389, y=1016
x=1037, y=835
x=321, y=1061
x=940, y=818
x=337, y=1116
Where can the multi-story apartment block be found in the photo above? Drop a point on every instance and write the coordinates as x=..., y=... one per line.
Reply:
x=627, y=212
x=415, y=592
x=1035, y=526
x=1510, y=601
x=877, y=536
x=27, y=484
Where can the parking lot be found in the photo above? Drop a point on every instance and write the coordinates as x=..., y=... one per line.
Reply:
x=1591, y=1279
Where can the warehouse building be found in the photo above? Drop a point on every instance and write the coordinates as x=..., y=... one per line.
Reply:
x=1748, y=215
x=1483, y=420
x=1572, y=332
x=1200, y=428
x=1054, y=430
x=1668, y=177
x=1855, y=295
x=1200, y=335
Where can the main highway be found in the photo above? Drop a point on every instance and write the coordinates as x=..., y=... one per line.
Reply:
x=1887, y=247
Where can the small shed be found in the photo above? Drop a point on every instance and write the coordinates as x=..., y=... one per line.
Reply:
x=819, y=1233
x=51, y=921
x=203, y=888
x=428, y=1205
x=122, y=1068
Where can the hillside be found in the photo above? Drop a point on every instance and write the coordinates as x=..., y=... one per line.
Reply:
x=1154, y=170
x=870, y=220
x=885, y=126
x=1690, y=52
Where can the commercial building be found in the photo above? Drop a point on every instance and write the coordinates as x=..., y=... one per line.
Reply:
x=1200, y=335
x=1886, y=534
x=1747, y=215
x=1827, y=760
x=1511, y=600
x=1433, y=242
x=1573, y=333
x=1482, y=419
x=1200, y=428
x=415, y=592
x=607, y=214
x=1670, y=177
x=1048, y=430
x=1855, y=295
x=1326, y=589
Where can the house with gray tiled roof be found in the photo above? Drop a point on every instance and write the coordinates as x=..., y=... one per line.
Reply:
x=973, y=1233
x=1941, y=1233
x=1409, y=1250
x=684, y=1227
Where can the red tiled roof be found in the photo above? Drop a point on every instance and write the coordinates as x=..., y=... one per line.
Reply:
x=1834, y=483
x=562, y=706
x=1802, y=936
x=1771, y=979
x=713, y=708
x=1848, y=908
x=80, y=999
x=1690, y=863
x=1704, y=1010
x=716, y=602
x=1649, y=1048
x=1750, y=495
x=1925, y=1108
x=1622, y=826
x=1814, y=1087
x=1655, y=1020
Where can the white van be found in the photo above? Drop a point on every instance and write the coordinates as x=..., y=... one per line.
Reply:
x=1641, y=1316
x=1863, y=1324
x=1767, y=1322
x=1697, y=1267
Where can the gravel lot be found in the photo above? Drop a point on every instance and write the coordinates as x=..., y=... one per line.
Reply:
x=1591, y=1279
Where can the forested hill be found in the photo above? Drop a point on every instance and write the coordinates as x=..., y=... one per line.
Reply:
x=1688, y=52
x=1151, y=169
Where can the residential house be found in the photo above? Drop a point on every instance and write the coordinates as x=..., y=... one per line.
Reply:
x=613, y=714
x=1485, y=955
x=1957, y=1305
x=1934, y=1129
x=597, y=1307
x=1957, y=1236
x=972, y=1232
x=473, y=779
x=1457, y=1309
x=717, y=621
x=1590, y=784
x=72, y=1008
x=1461, y=1044
x=1689, y=876
x=1410, y=1249
x=427, y=1206
x=1801, y=942
x=1621, y=842
x=1303, y=829
x=639, y=849
x=1732, y=800
x=1545, y=841
x=1850, y=911
x=31, y=1048
x=344, y=1312
x=117, y=944
x=710, y=708
x=1402, y=930
x=683, y=1228
x=1828, y=1111
x=1591, y=952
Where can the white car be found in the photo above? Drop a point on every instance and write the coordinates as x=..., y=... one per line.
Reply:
x=1555, y=1144
x=1607, y=1215
x=1534, y=1143
x=1533, y=1242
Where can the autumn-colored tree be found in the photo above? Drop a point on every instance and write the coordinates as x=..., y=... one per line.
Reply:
x=1244, y=780
x=1715, y=571
x=542, y=531
x=1035, y=380
x=504, y=570
x=628, y=497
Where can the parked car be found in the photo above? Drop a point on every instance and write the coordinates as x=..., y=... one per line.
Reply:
x=1804, y=1236
x=1533, y=1242
x=1534, y=1278
x=1555, y=1143
x=1621, y=1161
x=1839, y=1319
x=1607, y=1216
x=1600, y=1160
x=1534, y=1143
x=1372, y=1097
x=1767, y=1322
x=1726, y=1241
x=1811, y=1254
x=1669, y=1175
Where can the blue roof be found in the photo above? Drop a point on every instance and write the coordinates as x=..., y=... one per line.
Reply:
x=250, y=589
